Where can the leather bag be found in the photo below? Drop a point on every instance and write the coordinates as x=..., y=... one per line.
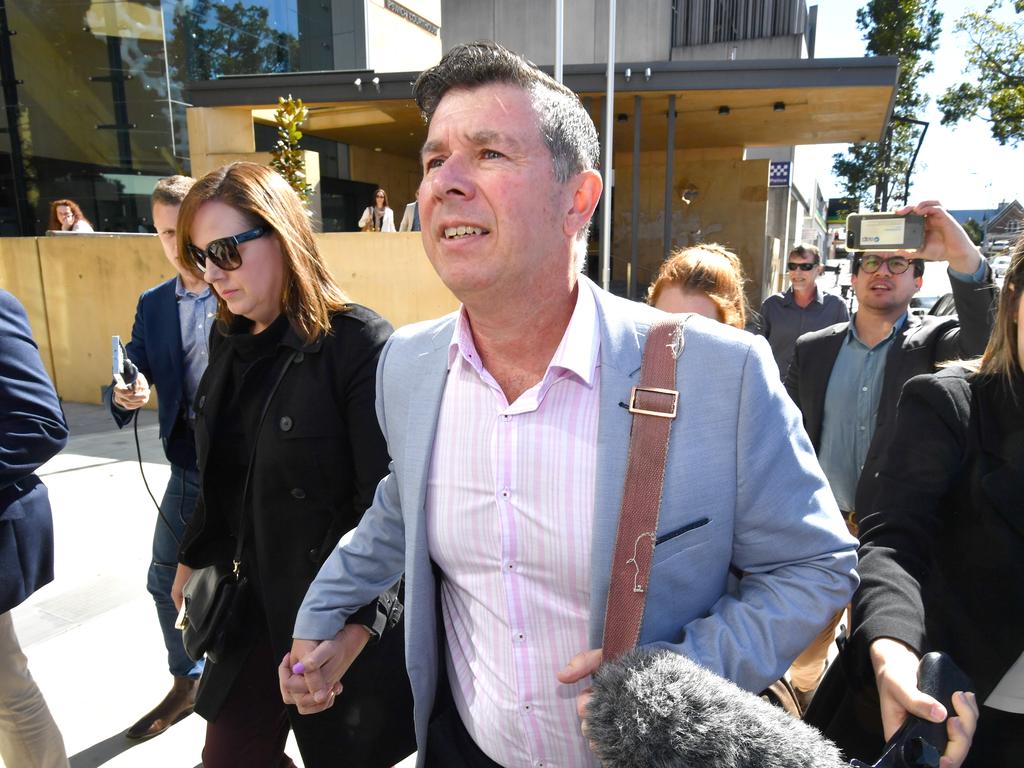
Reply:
x=214, y=598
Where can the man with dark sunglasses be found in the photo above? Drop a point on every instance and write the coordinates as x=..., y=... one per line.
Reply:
x=847, y=379
x=801, y=308
x=170, y=346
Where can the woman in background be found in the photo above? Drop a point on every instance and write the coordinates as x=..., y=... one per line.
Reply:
x=66, y=216
x=706, y=279
x=378, y=217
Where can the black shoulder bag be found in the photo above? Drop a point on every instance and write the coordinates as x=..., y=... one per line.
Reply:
x=214, y=597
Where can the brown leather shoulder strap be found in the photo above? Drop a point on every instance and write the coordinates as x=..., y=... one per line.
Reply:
x=653, y=404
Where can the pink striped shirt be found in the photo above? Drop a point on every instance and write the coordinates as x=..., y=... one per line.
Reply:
x=510, y=502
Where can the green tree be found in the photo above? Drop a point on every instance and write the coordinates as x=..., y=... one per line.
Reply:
x=995, y=57
x=211, y=39
x=974, y=231
x=287, y=158
x=877, y=172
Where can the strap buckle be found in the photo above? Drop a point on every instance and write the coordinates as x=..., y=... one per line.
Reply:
x=658, y=391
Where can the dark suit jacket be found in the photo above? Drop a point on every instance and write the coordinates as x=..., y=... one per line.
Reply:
x=32, y=430
x=942, y=554
x=157, y=351
x=319, y=457
x=918, y=348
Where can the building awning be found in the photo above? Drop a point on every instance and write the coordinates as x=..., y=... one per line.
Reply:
x=718, y=104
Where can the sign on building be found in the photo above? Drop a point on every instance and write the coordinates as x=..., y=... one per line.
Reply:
x=779, y=173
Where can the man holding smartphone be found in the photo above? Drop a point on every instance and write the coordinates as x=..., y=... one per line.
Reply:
x=170, y=347
x=801, y=308
x=847, y=379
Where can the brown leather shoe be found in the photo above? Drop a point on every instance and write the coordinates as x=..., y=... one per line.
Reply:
x=176, y=705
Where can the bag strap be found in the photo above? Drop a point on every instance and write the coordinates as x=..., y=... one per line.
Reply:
x=236, y=561
x=653, y=404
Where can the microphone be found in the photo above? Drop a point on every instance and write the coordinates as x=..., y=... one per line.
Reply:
x=662, y=710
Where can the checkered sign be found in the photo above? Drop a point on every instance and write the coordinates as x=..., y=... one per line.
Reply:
x=778, y=174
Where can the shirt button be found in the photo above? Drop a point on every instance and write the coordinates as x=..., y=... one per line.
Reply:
x=505, y=493
x=510, y=566
x=527, y=707
x=863, y=389
x=862, y=427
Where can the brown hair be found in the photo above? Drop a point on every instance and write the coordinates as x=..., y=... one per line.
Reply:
x=172, y=190
x=1001, y=357
x=805, y=250
x=55, y=223
x=709, y=269
x=310, y=294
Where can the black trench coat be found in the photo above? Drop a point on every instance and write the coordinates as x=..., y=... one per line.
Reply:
x=319, y=458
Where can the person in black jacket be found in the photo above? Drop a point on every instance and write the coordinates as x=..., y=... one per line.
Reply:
x=846, y=379
x=289, y=455
x=942, y=555
x=32, y=431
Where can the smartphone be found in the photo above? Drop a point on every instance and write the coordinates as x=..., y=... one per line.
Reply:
x=884, y=232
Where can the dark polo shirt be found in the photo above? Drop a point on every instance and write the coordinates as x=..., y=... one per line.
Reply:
x=784, y=321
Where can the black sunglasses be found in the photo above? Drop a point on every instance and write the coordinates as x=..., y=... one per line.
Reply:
x=802, y=266
x=224, y=251
x=897, y=265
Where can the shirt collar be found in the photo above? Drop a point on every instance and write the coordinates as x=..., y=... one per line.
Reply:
x=181, y=291
x=790, y=296
x=576, y=354
x=896, y=328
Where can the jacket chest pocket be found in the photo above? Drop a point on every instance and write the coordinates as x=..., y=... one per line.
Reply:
x=306, y=449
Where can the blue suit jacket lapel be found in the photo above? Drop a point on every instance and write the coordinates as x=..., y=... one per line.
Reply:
x=170, y=335
x=427, y=385
x=620, y=369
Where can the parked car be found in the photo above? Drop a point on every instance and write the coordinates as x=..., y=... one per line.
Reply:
x=999, y=265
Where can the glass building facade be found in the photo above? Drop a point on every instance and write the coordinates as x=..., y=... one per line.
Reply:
x=93, y=91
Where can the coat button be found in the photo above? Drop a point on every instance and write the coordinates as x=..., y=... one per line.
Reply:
x=314, y=554
x=299, y=357
x=201, y=403
x=285, y=423
x=298, y=493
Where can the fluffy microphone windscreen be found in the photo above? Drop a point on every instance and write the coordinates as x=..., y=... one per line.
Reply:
x=661, y=710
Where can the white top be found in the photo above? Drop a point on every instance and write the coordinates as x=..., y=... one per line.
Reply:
x=1009, y=694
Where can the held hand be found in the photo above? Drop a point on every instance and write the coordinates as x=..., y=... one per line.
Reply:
x=323, y=665
x=944, y=238
x=131, y=398
x=180, y=577
x=960, y=730
x=580, y=666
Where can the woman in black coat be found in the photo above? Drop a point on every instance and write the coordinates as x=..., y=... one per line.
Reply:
x=942, y=555
x=289, y=454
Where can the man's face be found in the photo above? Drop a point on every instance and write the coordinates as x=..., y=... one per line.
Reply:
x=165, y=219
x=491, y=210
x=802, y=279
x=883, y=290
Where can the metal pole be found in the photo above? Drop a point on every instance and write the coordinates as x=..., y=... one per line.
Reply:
x=559, y=36
x=670, y=156
x=634, y=240
x=609, y=172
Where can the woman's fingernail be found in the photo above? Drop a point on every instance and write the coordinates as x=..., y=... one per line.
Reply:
x=298, y=668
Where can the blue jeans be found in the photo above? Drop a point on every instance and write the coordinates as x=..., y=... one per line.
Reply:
x=177, y=506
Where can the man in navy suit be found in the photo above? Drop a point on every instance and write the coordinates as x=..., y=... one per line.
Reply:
x=170, y=346
x=32, y=430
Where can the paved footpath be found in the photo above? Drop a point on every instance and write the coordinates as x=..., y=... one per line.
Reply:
x=91, y=636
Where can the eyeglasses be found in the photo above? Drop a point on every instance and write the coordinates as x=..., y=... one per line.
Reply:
x=897, y=265
x=224, y=251
x=802, y=266
x=380, y=196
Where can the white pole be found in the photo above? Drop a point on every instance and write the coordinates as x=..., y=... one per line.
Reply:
x=609, y=172
x=559, y=35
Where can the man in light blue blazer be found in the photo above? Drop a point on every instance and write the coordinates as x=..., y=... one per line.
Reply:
x=508, y=191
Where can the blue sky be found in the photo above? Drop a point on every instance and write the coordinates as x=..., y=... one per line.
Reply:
x=963, y=166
